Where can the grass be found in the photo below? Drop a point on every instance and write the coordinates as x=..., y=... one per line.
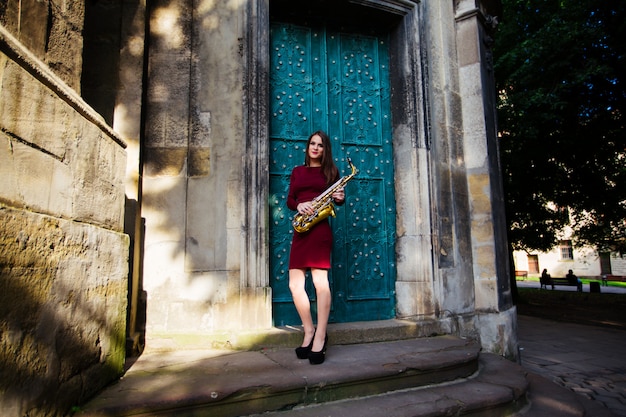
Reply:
x=598, y=309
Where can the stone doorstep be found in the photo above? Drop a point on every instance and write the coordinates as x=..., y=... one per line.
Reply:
x=182, y=382
x=500, y=388
x=285, y=336
x=251, y=382
x=497, y=389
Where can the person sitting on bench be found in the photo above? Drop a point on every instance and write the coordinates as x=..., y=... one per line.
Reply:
x=545, y=280
x=573, y=280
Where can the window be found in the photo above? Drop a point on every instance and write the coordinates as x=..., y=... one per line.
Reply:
x=567, y=252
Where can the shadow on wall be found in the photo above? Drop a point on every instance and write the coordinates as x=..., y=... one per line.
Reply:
x=134, y=226
x=101, y=54
x=113, y=37
x=58, y=346
x=62, y=283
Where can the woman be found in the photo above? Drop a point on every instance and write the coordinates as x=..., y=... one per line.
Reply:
x=545, y=280
x=311, y=250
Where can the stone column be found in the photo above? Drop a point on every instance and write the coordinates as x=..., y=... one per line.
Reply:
x=493, y=301
x=452, y=256
x=413, y=182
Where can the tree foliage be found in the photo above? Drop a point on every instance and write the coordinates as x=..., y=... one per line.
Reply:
x=560, y=72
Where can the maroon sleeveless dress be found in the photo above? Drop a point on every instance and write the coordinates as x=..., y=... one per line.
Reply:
x=312, y=248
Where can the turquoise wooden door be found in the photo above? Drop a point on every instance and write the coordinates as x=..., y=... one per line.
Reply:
x=339, y=83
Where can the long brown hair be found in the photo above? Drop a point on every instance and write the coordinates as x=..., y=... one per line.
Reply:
x=329, y=169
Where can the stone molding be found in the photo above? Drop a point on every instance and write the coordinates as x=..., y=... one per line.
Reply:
x=33, y=65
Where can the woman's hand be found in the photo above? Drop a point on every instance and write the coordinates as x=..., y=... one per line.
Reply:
x=305, y=208
x=339, y=195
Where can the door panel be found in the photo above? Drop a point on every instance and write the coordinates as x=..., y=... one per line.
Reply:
x=339, y=83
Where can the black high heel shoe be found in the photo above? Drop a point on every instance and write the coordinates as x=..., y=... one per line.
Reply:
x=316, y=358
x=302, y=352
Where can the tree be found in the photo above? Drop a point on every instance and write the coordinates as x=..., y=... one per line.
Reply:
x=560, y=72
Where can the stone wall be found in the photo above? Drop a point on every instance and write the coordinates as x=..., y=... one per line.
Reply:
x=194, y=174
x=52, y=31
x=63, y=256
x=205, y=170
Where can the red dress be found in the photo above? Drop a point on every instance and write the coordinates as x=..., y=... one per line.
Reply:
x=312, y=248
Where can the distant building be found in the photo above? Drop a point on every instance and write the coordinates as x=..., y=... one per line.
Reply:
x=585, y=262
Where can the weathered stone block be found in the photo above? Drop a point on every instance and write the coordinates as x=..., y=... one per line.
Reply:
x=63, y=258
x=57, y=161
x=52, y=33
x=199, y=162
x=63, y=290
x=169, y=107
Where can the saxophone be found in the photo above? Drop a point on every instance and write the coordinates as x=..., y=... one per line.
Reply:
x=322, y=204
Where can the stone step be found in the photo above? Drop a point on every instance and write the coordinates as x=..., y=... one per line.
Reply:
x=431, y=376
x=500, y=388
x=286, y=336
x=497, y=389
x=234, y=384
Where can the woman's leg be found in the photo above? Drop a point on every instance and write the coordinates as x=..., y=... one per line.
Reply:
x=322, y=291
x=301, y=301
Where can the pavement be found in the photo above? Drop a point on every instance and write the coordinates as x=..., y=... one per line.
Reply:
x=566, y=363
x=588, y=360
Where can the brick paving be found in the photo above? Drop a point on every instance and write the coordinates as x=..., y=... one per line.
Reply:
x=588, y=360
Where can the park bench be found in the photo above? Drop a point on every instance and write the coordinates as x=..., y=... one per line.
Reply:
x=566, y=283
x=522, y=274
